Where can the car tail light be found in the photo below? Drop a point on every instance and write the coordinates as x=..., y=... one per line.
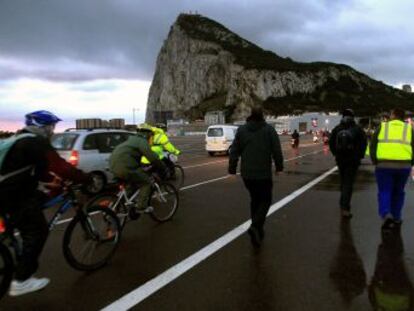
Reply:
x=74, y=158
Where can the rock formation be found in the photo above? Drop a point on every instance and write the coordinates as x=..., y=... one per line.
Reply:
x=203, y=66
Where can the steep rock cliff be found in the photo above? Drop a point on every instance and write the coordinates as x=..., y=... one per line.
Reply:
x=203, y=66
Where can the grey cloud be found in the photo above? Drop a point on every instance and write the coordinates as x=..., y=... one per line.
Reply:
x=100, y=39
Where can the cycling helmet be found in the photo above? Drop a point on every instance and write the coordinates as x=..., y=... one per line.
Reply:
x=144, y=127
x=41, y=118
x=162, y=126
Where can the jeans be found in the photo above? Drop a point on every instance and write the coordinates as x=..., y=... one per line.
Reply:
x=391, y=194
x=260, y=200
x=347, y=174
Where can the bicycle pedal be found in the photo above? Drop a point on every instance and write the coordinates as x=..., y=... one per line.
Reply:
x=149, y=209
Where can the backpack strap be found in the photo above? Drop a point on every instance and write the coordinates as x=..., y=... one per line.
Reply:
x=10, y=144
x=19, y=171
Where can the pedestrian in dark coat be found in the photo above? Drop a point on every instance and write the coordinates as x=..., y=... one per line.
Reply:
x=257, y=143
x=348, y=143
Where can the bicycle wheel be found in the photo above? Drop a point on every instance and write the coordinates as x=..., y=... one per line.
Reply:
x=6, y=269
x=91, y=238
x=177, y=180
x=164, y=202
x=108, y=200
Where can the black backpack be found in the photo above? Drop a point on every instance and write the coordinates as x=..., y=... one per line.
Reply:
x=345, y=141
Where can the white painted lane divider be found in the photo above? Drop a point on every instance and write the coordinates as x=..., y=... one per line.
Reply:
x=222, y=161
x=228, y=176
x=208, y=182
x=141, y=293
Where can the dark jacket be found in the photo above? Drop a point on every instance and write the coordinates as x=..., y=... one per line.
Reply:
x=387, y=163
x=256, y=143
x=126, y=158
x=39, y=153
x=360, y=142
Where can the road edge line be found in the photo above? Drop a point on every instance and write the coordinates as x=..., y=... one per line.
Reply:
x=150, y=287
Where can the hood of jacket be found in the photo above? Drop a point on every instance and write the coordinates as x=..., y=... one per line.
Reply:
x=347, y=121
x=253, y=125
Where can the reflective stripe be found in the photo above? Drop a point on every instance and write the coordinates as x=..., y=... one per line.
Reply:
x=394, y=141
x=19, y=171
x=386, y=131
x=405, y=132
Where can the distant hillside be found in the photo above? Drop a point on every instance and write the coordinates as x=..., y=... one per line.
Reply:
x=203, y=66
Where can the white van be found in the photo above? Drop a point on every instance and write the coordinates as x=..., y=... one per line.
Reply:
x=219, y=138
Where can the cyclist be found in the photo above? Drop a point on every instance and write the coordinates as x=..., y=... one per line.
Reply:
x=29, y=160
x=161, y=144
x=125, y=164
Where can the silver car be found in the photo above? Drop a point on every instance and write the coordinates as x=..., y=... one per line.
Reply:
x=89, y=150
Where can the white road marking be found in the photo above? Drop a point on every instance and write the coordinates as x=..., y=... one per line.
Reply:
x=144, y=291
x=205, y=164
x=63, y=221
x=228, y=176
x=215, y=162
x=211, y=180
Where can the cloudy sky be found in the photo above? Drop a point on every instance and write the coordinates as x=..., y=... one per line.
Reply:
x=96, y=58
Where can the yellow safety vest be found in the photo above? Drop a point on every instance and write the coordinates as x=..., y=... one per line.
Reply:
x=160, y=143
x=394, y=141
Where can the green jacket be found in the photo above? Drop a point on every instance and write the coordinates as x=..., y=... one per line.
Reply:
x=126, y=157
x=257, y=143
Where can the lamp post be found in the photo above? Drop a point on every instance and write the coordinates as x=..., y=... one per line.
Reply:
x=327, y=124
x=133, y=114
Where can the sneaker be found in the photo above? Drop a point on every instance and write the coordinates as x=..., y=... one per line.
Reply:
x=346, y=214
x=133, y=213
x=148, y=210
x=254, y=236
x=397, y=223
x=18, y=288
x=388, y=224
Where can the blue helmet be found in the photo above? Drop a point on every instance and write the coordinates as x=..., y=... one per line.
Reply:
x=41, y=118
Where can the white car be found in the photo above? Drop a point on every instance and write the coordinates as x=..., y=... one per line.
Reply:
x=89, y=150
x=219, y=138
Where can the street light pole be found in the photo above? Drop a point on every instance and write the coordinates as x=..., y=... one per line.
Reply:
x=133, y=114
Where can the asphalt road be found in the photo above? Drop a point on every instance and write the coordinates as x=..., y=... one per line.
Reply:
x=203, y=259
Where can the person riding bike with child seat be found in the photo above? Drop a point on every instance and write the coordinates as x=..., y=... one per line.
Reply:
x=125, y=164
x=26, y=159
x=161, y=144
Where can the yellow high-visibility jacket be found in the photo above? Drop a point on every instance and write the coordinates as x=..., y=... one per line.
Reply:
x=160, y=144
x=395, y=141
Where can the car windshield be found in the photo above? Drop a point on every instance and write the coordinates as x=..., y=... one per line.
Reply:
x=215, y=132
x=64, y=141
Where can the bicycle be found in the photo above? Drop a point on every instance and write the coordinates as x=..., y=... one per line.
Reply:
x=95, y=227
x=176, y=171
x=162, y=205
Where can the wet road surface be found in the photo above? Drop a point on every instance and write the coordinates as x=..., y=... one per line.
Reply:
x=310, y=259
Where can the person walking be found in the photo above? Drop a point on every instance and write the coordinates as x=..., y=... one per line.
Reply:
x=347, y=143
x=391, y=152
x=257, y=143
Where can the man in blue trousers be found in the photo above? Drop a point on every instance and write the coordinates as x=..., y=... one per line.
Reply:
x=391, y=151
